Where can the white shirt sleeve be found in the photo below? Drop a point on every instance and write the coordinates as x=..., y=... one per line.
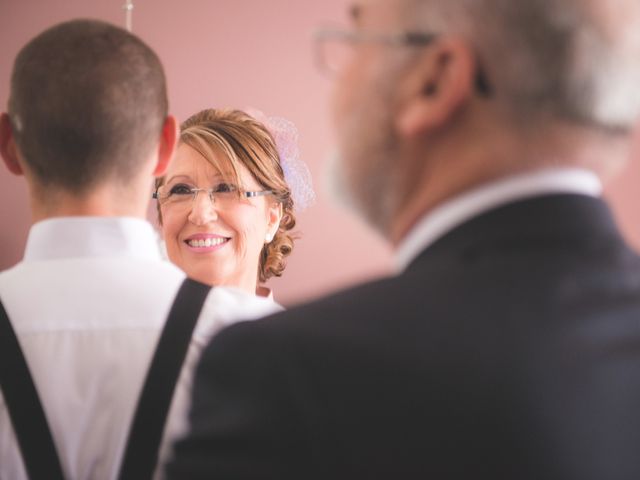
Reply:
x=225, y=306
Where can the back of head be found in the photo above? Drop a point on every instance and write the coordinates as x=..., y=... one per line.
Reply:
x=87, y=105
x=572, y=60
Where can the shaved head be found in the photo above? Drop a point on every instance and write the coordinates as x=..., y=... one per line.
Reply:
x=87, y=103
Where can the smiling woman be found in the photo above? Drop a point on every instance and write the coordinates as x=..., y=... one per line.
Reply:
x=224, y=205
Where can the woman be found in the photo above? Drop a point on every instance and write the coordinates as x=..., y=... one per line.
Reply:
x=225, y=208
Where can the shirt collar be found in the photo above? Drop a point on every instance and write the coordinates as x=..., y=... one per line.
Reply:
x=461, y=208
x=76, y=237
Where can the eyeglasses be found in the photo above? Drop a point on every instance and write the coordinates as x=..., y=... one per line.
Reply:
x=223, y=195
x=334, y=48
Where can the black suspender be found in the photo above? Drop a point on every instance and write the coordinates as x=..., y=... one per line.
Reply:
x=25, y=411
x=141, y=453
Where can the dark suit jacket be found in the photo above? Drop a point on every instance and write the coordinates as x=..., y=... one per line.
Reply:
x=509, y=349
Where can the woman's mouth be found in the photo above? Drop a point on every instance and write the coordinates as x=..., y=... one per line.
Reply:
x=208, y=243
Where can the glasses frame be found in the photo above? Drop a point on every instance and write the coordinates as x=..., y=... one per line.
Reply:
x=212, y=194
x=397, y=39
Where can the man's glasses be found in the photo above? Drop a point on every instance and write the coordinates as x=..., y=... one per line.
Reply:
x=334, y=49
x=223, y=195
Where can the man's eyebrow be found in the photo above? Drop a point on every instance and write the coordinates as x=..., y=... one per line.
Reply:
x=355, y=13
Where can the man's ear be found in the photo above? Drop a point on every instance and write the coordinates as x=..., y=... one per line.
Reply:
x=439, y=84
x=168, y=142
x=8, y=147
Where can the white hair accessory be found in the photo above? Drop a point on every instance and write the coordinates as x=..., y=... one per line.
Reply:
x=296, y=172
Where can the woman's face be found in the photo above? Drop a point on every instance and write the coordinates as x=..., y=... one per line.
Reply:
x=216, y=242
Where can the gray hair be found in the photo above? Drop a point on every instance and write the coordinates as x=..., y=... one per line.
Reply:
x=559, y=58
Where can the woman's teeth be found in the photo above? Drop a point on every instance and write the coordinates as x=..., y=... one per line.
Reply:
x=208, y=242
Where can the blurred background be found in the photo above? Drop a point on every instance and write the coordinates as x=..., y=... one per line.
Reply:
x=243, y=53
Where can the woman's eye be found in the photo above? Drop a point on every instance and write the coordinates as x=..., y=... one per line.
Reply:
x=180, y=189
x=224, y=188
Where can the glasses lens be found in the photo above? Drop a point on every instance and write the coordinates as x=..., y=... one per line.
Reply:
x=334, y=52
x=175, y=194
x=226, y=199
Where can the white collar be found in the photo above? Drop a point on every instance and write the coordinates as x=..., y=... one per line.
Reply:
x=74, y=237
x=461, y=208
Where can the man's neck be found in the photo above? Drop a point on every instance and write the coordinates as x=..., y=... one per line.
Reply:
x=100, y=202
x=438, y=187
x=463, y=167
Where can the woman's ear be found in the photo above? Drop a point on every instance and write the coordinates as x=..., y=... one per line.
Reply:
x=8, y=147
x=275, y=213
x=167, y=146
x=436, y=87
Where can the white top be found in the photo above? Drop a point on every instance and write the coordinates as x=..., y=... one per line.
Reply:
x=448, y=215
x=88, y=303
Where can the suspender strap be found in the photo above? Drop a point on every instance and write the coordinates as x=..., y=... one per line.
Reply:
x=143, y=444
x=25, y=410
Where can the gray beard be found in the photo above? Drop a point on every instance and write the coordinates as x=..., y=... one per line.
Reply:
x=364, y=175
x=371, y=198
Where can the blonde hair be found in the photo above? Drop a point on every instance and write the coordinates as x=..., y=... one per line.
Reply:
x=243, y=140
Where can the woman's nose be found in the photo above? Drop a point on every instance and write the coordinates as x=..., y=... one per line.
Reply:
x=203, y=209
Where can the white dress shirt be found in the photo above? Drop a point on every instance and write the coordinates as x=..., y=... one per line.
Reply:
x=88, y=303
x=465, y=206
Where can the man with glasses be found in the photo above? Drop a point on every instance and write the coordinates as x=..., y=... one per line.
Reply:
x=87, y=126
x=474, y=135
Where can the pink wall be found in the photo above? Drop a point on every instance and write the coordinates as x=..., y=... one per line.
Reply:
x=222, y=53
x=240, y=53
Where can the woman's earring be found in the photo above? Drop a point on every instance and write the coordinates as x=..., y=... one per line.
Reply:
x=268, y=238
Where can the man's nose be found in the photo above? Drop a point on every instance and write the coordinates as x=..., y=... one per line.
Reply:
x=203, y=208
